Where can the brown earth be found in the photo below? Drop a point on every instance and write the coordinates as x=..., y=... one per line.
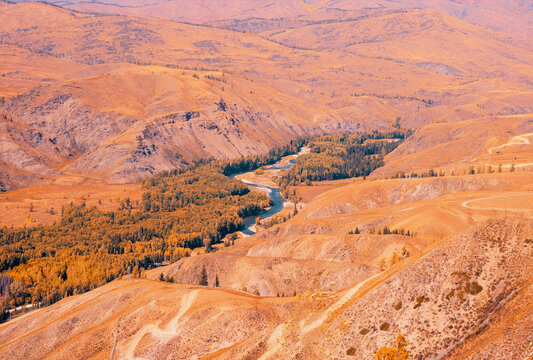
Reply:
x=41, y=204
x=509, y=16
x=460, y=293
x=115, y=99
x=92, y=100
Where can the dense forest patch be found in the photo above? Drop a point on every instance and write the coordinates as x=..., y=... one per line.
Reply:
x=341, y=156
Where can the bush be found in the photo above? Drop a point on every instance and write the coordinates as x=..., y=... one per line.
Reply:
x=399, y=352
x=384, y=327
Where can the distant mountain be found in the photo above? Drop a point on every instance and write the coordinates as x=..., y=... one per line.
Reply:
x=513, y=16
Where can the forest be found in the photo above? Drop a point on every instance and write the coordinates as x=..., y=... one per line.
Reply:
x=341, y=156
x=180, y=210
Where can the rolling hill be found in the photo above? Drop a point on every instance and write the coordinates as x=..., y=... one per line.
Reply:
x=114, y=99
x=458, y=289
x=509, y=16
x=436, y=244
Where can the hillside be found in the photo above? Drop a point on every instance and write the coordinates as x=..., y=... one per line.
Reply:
x=454, y=289
x=157, y=101
x=509, y=16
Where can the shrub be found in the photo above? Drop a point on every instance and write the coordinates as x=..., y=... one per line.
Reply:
x=399, y=352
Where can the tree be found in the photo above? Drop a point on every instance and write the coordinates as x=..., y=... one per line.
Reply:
x=208, y=245
x=394, y=353
x=139, y=139
x=203, y=277
x=217, y=284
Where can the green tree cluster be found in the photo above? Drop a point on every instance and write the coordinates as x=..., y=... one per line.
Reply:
x=342, y=156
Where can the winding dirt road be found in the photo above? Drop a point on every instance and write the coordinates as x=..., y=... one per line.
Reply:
x=468, y=203
x=166, y=332
x=522, y=139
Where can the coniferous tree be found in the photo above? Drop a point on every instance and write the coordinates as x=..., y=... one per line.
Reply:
x=203, y=277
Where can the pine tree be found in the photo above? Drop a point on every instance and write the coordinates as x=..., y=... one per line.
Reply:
x=203, y=277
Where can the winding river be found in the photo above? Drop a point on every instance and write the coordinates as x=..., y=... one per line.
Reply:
x=264, y=183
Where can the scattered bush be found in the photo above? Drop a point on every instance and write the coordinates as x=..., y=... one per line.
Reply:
x=384, y=327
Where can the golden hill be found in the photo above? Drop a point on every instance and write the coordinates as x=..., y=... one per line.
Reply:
x=89, y=102
x=457, y=289
x=116, y=98
x=509, y=16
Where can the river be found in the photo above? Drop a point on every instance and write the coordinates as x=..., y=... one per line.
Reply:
x=264, y=183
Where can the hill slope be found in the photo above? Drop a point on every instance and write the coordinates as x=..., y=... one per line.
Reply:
x=510, y=16
x=113, y=98
x=453, y=299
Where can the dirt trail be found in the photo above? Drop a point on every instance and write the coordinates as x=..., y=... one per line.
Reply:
x=170, y=330
x=522, y=139
x=466, y=204
x=115, y=341
x=336, y=306
x=274, y=342
x=517, y=140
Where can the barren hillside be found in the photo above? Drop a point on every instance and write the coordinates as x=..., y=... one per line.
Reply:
x=104, y=107
x=510, y=16
x=115, y=99
x=453, y=289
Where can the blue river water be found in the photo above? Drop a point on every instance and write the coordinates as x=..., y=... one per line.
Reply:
x=277, y=199
x=273, y=192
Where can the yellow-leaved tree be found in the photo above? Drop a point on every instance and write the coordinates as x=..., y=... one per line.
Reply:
x=394, y=353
